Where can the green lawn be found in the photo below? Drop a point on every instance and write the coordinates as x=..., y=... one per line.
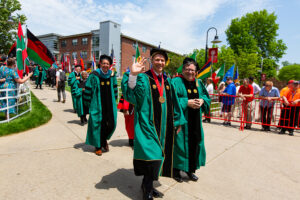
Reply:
x=39, y=115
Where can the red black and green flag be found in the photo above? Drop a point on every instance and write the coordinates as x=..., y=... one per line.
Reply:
x=12, y=51
x=38, y=52
x=21, y=52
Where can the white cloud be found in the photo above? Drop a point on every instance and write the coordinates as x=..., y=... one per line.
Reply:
x=175, y=23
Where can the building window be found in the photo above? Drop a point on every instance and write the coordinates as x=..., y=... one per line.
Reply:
x=84, y=54
x=96, y=54
x=74, y=42
x=74, y=55
x=144, y=49
x=84, y=41
x=63, y=43
x=134, y=45
x=55, y=45
x=95, y=41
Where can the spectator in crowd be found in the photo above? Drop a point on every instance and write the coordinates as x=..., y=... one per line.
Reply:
x=210, y=90
x=238, y=102
x=61, y=84
x=256, y=88
x=292, y=101
x=228, y=100
x=220, y=90
x=8, y=80
x=268, y=94
x=246, y=93
x=52, y=76
x=283, y=92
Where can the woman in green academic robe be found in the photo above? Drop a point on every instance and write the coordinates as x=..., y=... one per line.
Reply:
x=40, y=76
x=156, y=115
x=77, y=93
x=74, y=78
x=189, y=151
x=100, y=94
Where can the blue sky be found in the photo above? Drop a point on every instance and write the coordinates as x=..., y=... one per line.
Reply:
x=179, y=25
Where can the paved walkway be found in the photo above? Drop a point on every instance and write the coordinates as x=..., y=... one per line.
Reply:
x=52, y=162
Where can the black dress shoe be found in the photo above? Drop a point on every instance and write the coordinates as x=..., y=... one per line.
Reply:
x=192, y=176
x=146, y=195
x=156, y=193
x=282, y=132
x=178, y=179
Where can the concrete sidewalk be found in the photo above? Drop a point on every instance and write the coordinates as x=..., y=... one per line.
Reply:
x=52, y=162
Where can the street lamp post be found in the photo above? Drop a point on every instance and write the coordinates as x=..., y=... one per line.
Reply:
x=216, y=40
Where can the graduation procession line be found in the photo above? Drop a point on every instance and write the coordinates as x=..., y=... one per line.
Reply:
x=52, y=162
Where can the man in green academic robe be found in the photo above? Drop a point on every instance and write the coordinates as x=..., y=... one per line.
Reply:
x=157, y=115
x=100, y=94
x=74, y=77
x=40, y=75
x=189, y=151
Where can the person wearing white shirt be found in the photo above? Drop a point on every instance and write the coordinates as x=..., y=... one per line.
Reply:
x=210, y=90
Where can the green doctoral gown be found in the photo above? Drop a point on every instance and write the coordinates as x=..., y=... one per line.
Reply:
x=77, y=95
x=189, y=151
x=153, y=131
x=71, y=81
x=94, y=95
x=39, y=77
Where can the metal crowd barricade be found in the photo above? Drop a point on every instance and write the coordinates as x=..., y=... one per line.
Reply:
x=251, y=112
x=23, y=102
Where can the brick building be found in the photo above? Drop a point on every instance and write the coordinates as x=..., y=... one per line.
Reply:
x=76, y=45
x=105, y=40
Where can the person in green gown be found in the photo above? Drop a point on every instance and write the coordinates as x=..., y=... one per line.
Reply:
x=156, y=117
x=40, y=76
x=189, y=151
x=77, y=91
x=74, y=78
x=100, y=94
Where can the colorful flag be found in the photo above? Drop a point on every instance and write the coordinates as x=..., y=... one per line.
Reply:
x=229, y=73
x=236, y=76
x=137, y=53
x=94, y=62
x=81, y=63
x=12, y=51
x=205, y=71
x=75, y=61
x=217, y=75
x=179, y=70
x=38, y=52
x=62, y=61
x=21, y=52
x=112, y=55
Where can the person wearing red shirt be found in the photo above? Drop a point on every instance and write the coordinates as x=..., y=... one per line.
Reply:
x=246, y=94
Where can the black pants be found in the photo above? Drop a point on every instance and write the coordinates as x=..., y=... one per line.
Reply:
x=291, y=118
x=266, y=117
x=147, y=183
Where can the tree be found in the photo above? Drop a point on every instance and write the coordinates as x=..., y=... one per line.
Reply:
x=289, y=72
x=9, y=19
x=256, y=33
x=175, y=62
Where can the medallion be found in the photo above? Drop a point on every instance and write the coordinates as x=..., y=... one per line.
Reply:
x=154, y=87
x=102, y=83
x=189, y=91
x=107, y=83
x=161, y=99
x=195, y=91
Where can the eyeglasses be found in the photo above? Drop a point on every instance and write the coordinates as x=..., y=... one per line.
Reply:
x=189, y=70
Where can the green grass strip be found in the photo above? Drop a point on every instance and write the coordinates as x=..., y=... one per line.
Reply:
x=38, y=116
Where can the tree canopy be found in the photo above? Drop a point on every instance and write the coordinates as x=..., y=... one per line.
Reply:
x=289, y=72
x=9, y=19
